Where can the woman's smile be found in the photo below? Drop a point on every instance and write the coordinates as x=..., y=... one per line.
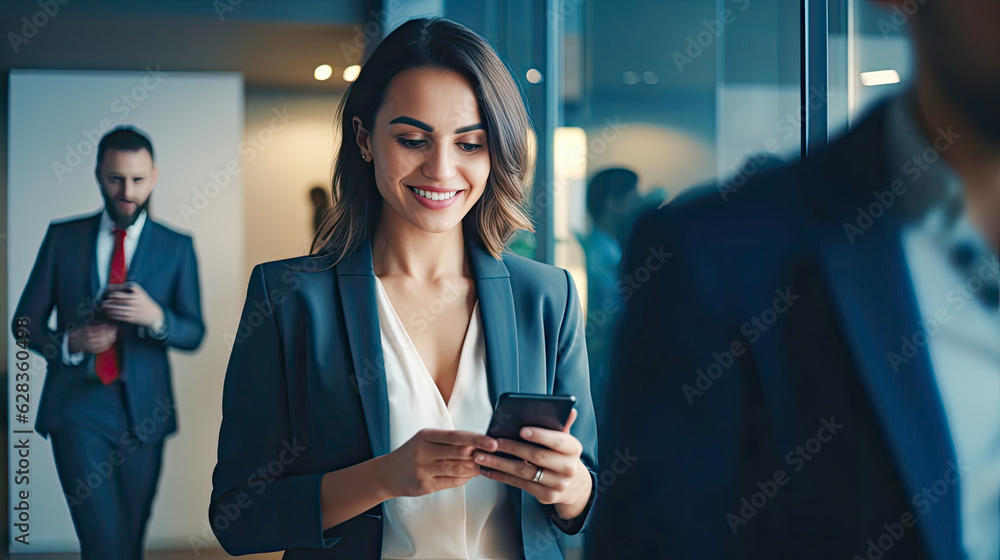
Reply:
x=434, y=199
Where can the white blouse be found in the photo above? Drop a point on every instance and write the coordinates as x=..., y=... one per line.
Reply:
x=453, y=523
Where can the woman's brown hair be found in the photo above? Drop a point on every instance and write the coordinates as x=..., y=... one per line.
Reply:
x=438, y=43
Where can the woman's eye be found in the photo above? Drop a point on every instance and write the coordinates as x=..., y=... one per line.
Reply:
x=410, y=142
x=469, y=147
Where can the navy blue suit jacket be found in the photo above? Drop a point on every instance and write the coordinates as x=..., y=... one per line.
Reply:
x=753, y=382
x=305, y=394
x=65, y=278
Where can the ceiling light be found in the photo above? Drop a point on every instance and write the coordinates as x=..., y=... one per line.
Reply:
x=351, y=72
x=879, y=78
x=323, y=72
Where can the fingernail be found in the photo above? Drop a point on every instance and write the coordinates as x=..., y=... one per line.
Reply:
x=480, y=457
x=526, y=433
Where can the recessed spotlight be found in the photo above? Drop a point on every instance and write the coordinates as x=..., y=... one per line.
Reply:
x=533, y=76
x=323, y=72
x=351, y=73
x=879, y=78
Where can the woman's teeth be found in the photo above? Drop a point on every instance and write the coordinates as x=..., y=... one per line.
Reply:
x=434, y=195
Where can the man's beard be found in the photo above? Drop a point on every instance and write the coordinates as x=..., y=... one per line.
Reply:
x=970, y=83
x=979, y=102
x=120, y=220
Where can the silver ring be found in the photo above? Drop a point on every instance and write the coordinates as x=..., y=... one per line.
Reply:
x=538, y=476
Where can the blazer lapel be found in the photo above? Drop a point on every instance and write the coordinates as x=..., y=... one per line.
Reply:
x=91, y=249
x=496, y=304
x=870, y=285
x=878, y=308
x=356, y=286
x=147, y=243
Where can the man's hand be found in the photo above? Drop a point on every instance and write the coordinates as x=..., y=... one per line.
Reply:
x=92, y=339
x=136, y=307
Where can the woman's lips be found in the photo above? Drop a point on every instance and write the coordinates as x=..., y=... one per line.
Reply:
x=427, y=197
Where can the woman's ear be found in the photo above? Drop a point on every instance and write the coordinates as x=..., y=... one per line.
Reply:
x=363, y=138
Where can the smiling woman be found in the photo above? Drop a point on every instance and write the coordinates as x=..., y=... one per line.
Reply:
x=385, y=351
x=429, y=175
x=479, y=110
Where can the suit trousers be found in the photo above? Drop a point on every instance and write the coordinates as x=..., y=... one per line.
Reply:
x=108, y=476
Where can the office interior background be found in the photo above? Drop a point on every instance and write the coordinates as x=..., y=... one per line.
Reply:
x=239, y=99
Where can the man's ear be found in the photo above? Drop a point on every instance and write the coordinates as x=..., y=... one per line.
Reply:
x=362, y=137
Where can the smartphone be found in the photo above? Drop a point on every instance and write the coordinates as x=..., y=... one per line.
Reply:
x=97, y=314
x=514, y=411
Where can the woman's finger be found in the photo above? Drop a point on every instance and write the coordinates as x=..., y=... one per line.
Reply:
x=546, y=458
x=455, y=469
x=569, y=423
x=561, y=442
x=514, y=467
x=458, y=437
x=545, y=493
x=444, y=451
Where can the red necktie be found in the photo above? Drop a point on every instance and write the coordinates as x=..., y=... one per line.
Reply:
x=106, y=364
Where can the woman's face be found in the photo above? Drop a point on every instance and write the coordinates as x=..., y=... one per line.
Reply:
x=428, y=147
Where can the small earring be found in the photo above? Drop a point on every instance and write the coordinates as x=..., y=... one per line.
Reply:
x=364, y=156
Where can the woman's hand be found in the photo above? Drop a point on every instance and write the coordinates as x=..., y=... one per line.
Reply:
x=565, y=481
x=434, y=460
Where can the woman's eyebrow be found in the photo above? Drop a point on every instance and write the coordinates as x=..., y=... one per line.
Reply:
x=424, y=126
x=477, y=126
x=412, y=121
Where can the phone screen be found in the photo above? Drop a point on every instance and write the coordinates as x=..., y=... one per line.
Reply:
x=518, y=410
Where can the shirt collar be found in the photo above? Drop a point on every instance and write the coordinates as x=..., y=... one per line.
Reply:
x=934, y=201
x=131, y=232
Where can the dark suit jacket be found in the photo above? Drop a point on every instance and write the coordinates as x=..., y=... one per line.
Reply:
x=65, y=278
x=753, y=383
x=305, y=394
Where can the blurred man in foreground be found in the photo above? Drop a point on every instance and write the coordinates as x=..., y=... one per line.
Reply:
x=816, y=372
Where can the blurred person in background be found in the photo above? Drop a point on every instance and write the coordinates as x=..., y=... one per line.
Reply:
x=125, y=289
x=816, y=374
x=611, y=200
x=370, y=368
x=321, y=205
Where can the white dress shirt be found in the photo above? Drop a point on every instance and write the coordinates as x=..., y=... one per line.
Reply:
x=452, y=523
x=105, y=249
x=962, y=326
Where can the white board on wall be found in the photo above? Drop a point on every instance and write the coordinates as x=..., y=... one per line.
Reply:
x=195, y=122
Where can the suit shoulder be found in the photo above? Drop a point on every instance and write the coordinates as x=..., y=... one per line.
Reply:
x=302, y=267
x=535, y=276
x=759, y=194
x=530, y=268
x=73, y=223
x=767, y=206
x=170, y=232
x=740, y=193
